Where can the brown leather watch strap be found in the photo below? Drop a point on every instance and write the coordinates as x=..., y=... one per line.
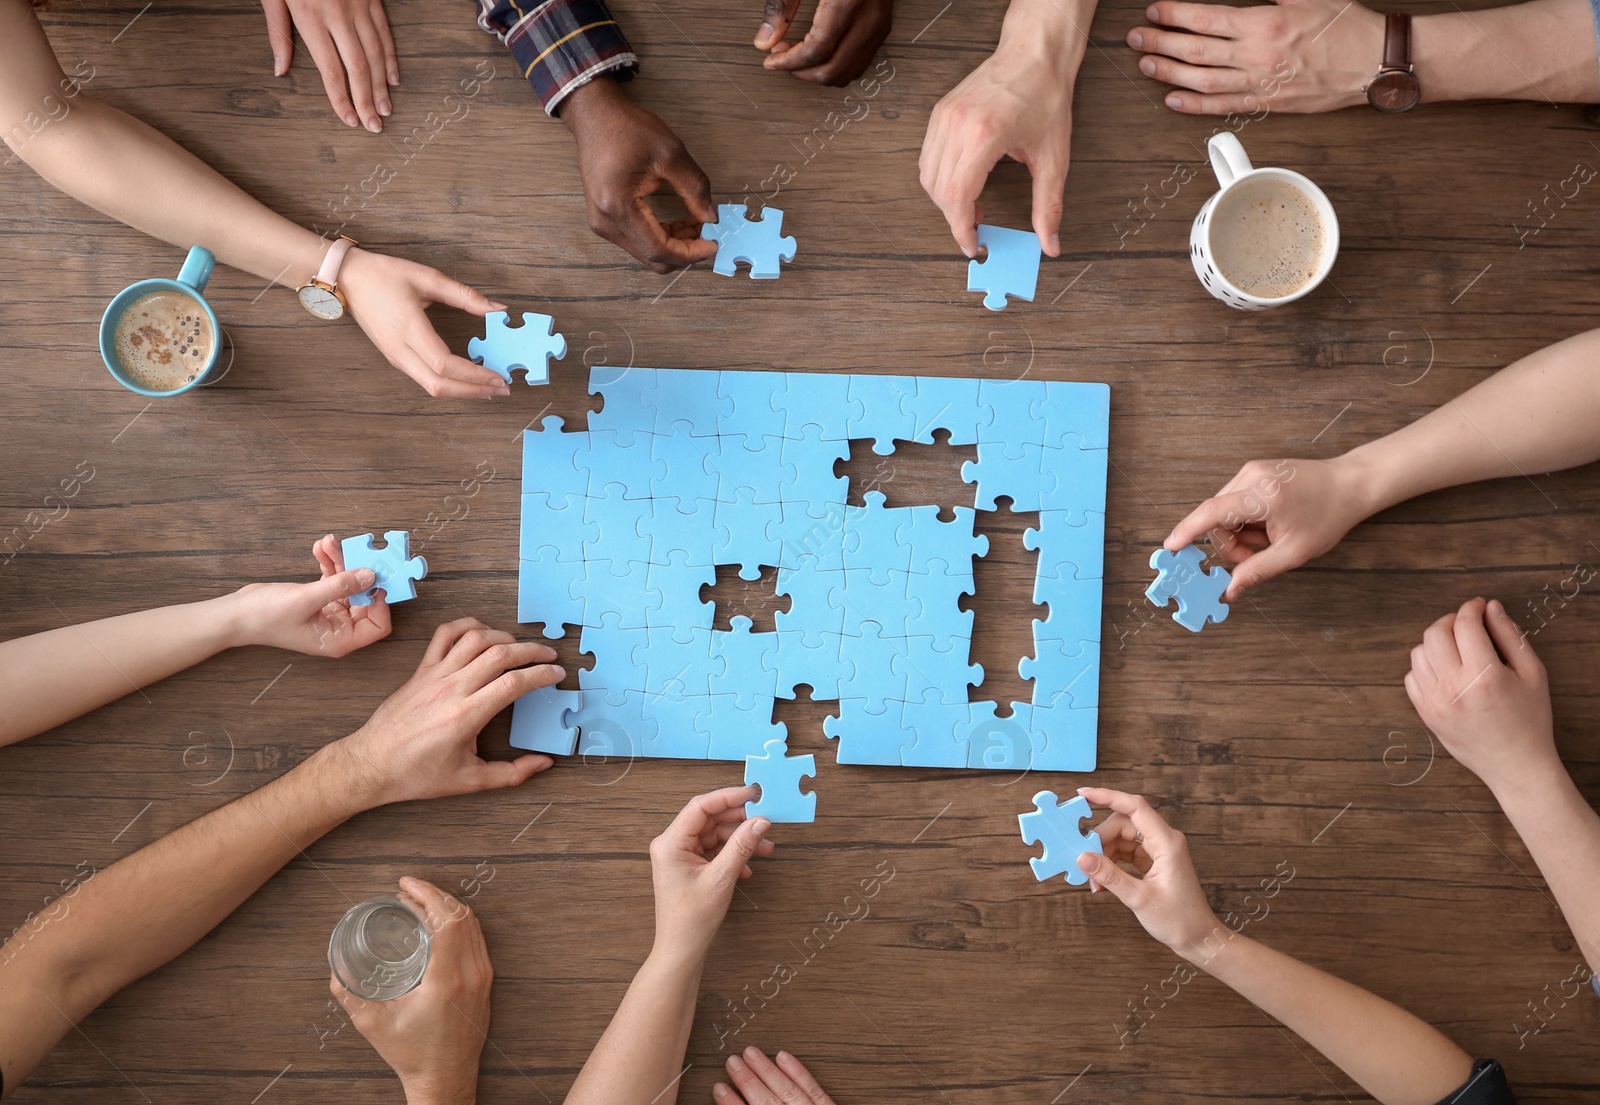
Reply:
x=1397, y=42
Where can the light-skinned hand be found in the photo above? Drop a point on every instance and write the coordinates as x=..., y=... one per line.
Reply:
x=389, y=298
x=844, y=36
x=625, y=155
x=1017, y=103
x=1479, y=687
x=433, y=1036
x=761, y=1081
x=1165, y=895
x=314, y=618
x=1274, y=516
x=697, y=862
x=350, y=43
x=423, y=741
x=1294, y=55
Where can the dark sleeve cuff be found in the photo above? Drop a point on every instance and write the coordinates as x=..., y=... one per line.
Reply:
x=560, y=45
x=1486, y=1085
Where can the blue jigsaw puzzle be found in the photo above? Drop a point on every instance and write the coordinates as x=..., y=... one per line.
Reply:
x=1058, y=826
x=683, y=471
x=759, y=243
x=397, y=570
x=1011, y=267
x=779, y=778
x=530, y=346
x=1179, y=575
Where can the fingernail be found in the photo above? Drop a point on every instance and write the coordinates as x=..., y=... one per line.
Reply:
x=394, y=79
x=1174, y=101
x=350, y=119
x=498, y=306
x=735, y=1063
x=752, y=1051
x=1147, y=66
x=384, y=109
x=561, y=672
x=374, y=125
x=1494, y=604
x=760, y=826
x=1089, y=863
x=1152, y=13
x=502, y=391
x=1055, y=243
x=1135, y=39
x=783, y=1055
x=366, y=577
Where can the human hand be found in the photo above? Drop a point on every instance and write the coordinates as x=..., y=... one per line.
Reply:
x=422, y=742
x=1273, y=516
x=433, y=1035
x=696, y=863
x=349, y=41
x=314, y=618
x=1166, y=895
x=625, y=155
x=1294, y=55
x=1479, y=687
x=1018, y=103
x=389, y=297
x=844, y=36
x=763, y=1082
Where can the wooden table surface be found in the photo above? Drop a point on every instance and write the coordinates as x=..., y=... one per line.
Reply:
x=1281, y=743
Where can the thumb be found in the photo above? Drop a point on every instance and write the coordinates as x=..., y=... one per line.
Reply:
x=1259, y=567
x=340, y=585
x=1128, y=890
x=739, y=850
x=1049, y=182
x=279, y=34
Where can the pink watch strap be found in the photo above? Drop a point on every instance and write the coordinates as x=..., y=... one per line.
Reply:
x=332, y=260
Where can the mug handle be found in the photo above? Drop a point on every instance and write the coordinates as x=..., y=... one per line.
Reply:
x=1228, y=159
x=198, y=265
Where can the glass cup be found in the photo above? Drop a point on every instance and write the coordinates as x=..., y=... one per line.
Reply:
x=379, y=949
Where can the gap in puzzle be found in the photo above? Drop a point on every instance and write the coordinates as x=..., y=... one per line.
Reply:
x=684, y=470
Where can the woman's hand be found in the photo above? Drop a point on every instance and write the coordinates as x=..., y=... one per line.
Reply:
x=350, y=43
x=760, y=1081
x=389, y=297
x=314, y=618
x=697, y=862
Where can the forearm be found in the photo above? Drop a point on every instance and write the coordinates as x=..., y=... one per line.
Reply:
x=1540, y=414
x=50, y=678
x=1541, y=50
x=145, y=910
x=1562, y=834
x=1394, y=1056
x=639, y=1060
x=1061, y=29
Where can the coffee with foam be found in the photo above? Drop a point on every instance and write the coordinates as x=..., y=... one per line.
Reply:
x=1267, y=237
x=164, y=340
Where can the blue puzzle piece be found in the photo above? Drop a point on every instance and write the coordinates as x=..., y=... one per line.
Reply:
x=884, y=417
x=747, y=533
x=1067, y=735
x=1061, y=667
x=617, y=518
x=997, y=743
x=541, y=527
x=746, y=659
x=939, y=727
x=1022, y=476
x=541, y=721
x=397, y=570
x=945, y=403
x=1067, y=549
x=779, y=778
x=757, y=242
x=549, y=463
x=865, y=737
x=1058, y=826
x=529, y=346
x=1199, y=593
x=1078, y=410
x=1011, y=268
x=735, y=733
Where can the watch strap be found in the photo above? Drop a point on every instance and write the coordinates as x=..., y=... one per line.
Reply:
x=1397, y=42
x=332, y=261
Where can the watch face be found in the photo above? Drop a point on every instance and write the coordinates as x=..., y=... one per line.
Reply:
x=1395, y=90
x=321, y=302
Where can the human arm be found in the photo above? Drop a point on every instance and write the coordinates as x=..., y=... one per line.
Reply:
x=1536, y=415
x=52, y=677
x=695, y=865
x=837, y=48
x=141, y=912
x=350, y=43
x=432, y=1036
x=1482, y=690
x=138, y=176
x=1018, y=102
x=1393, y=1055
x=1318, y=55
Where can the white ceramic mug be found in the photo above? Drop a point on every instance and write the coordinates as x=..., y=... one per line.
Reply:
x=1232, y=166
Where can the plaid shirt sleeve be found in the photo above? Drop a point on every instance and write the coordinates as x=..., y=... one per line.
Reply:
x=560, y=45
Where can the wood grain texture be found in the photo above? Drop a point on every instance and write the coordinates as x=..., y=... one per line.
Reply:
x=1280, y=741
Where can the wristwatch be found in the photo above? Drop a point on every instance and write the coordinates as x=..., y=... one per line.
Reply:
x=1396, y=87
x=321, y=295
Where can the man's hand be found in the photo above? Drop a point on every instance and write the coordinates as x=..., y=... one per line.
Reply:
x=423, y=741
x=350, y=42
x=1294, y=55
x=697, y=862
x=1481, y=689
x=625, y=155
x=1017, y=103
x=844, y=36
x=432, y=1036
x=389, y=298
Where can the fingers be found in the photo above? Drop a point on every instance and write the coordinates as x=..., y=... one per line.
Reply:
x=760, y=1080
x=1422, y=672
x=740, y=849
x=958, y=199
x=337, y=587
x=445, y=638
x=1223, y=513
x=1439, y=645
x=504, y=774
x=391, y=60
x=329, y=554
x=1200, y=78
x=684, y=175
x=1227, y=103
x=1513, y=644
x=353, y=59
x=512, y=685
x=440, y=288
x=1049, y=182
x=1205, y=19
x=775, y=23
x=1472, y=637
x=705, y=810
x=280, y=34
x=1195, y=49
x=320, y=45
x=377, y=65
x=801, y=1077
x=485, y=657
x=1159, y=837
x=1255, y=568
x=1130, y=891
x=440, y=911
x=838, y=46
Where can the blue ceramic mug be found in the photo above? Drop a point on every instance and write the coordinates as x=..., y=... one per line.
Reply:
x=157, y=331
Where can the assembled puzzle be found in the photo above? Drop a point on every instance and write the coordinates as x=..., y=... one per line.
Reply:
x=684, y=470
